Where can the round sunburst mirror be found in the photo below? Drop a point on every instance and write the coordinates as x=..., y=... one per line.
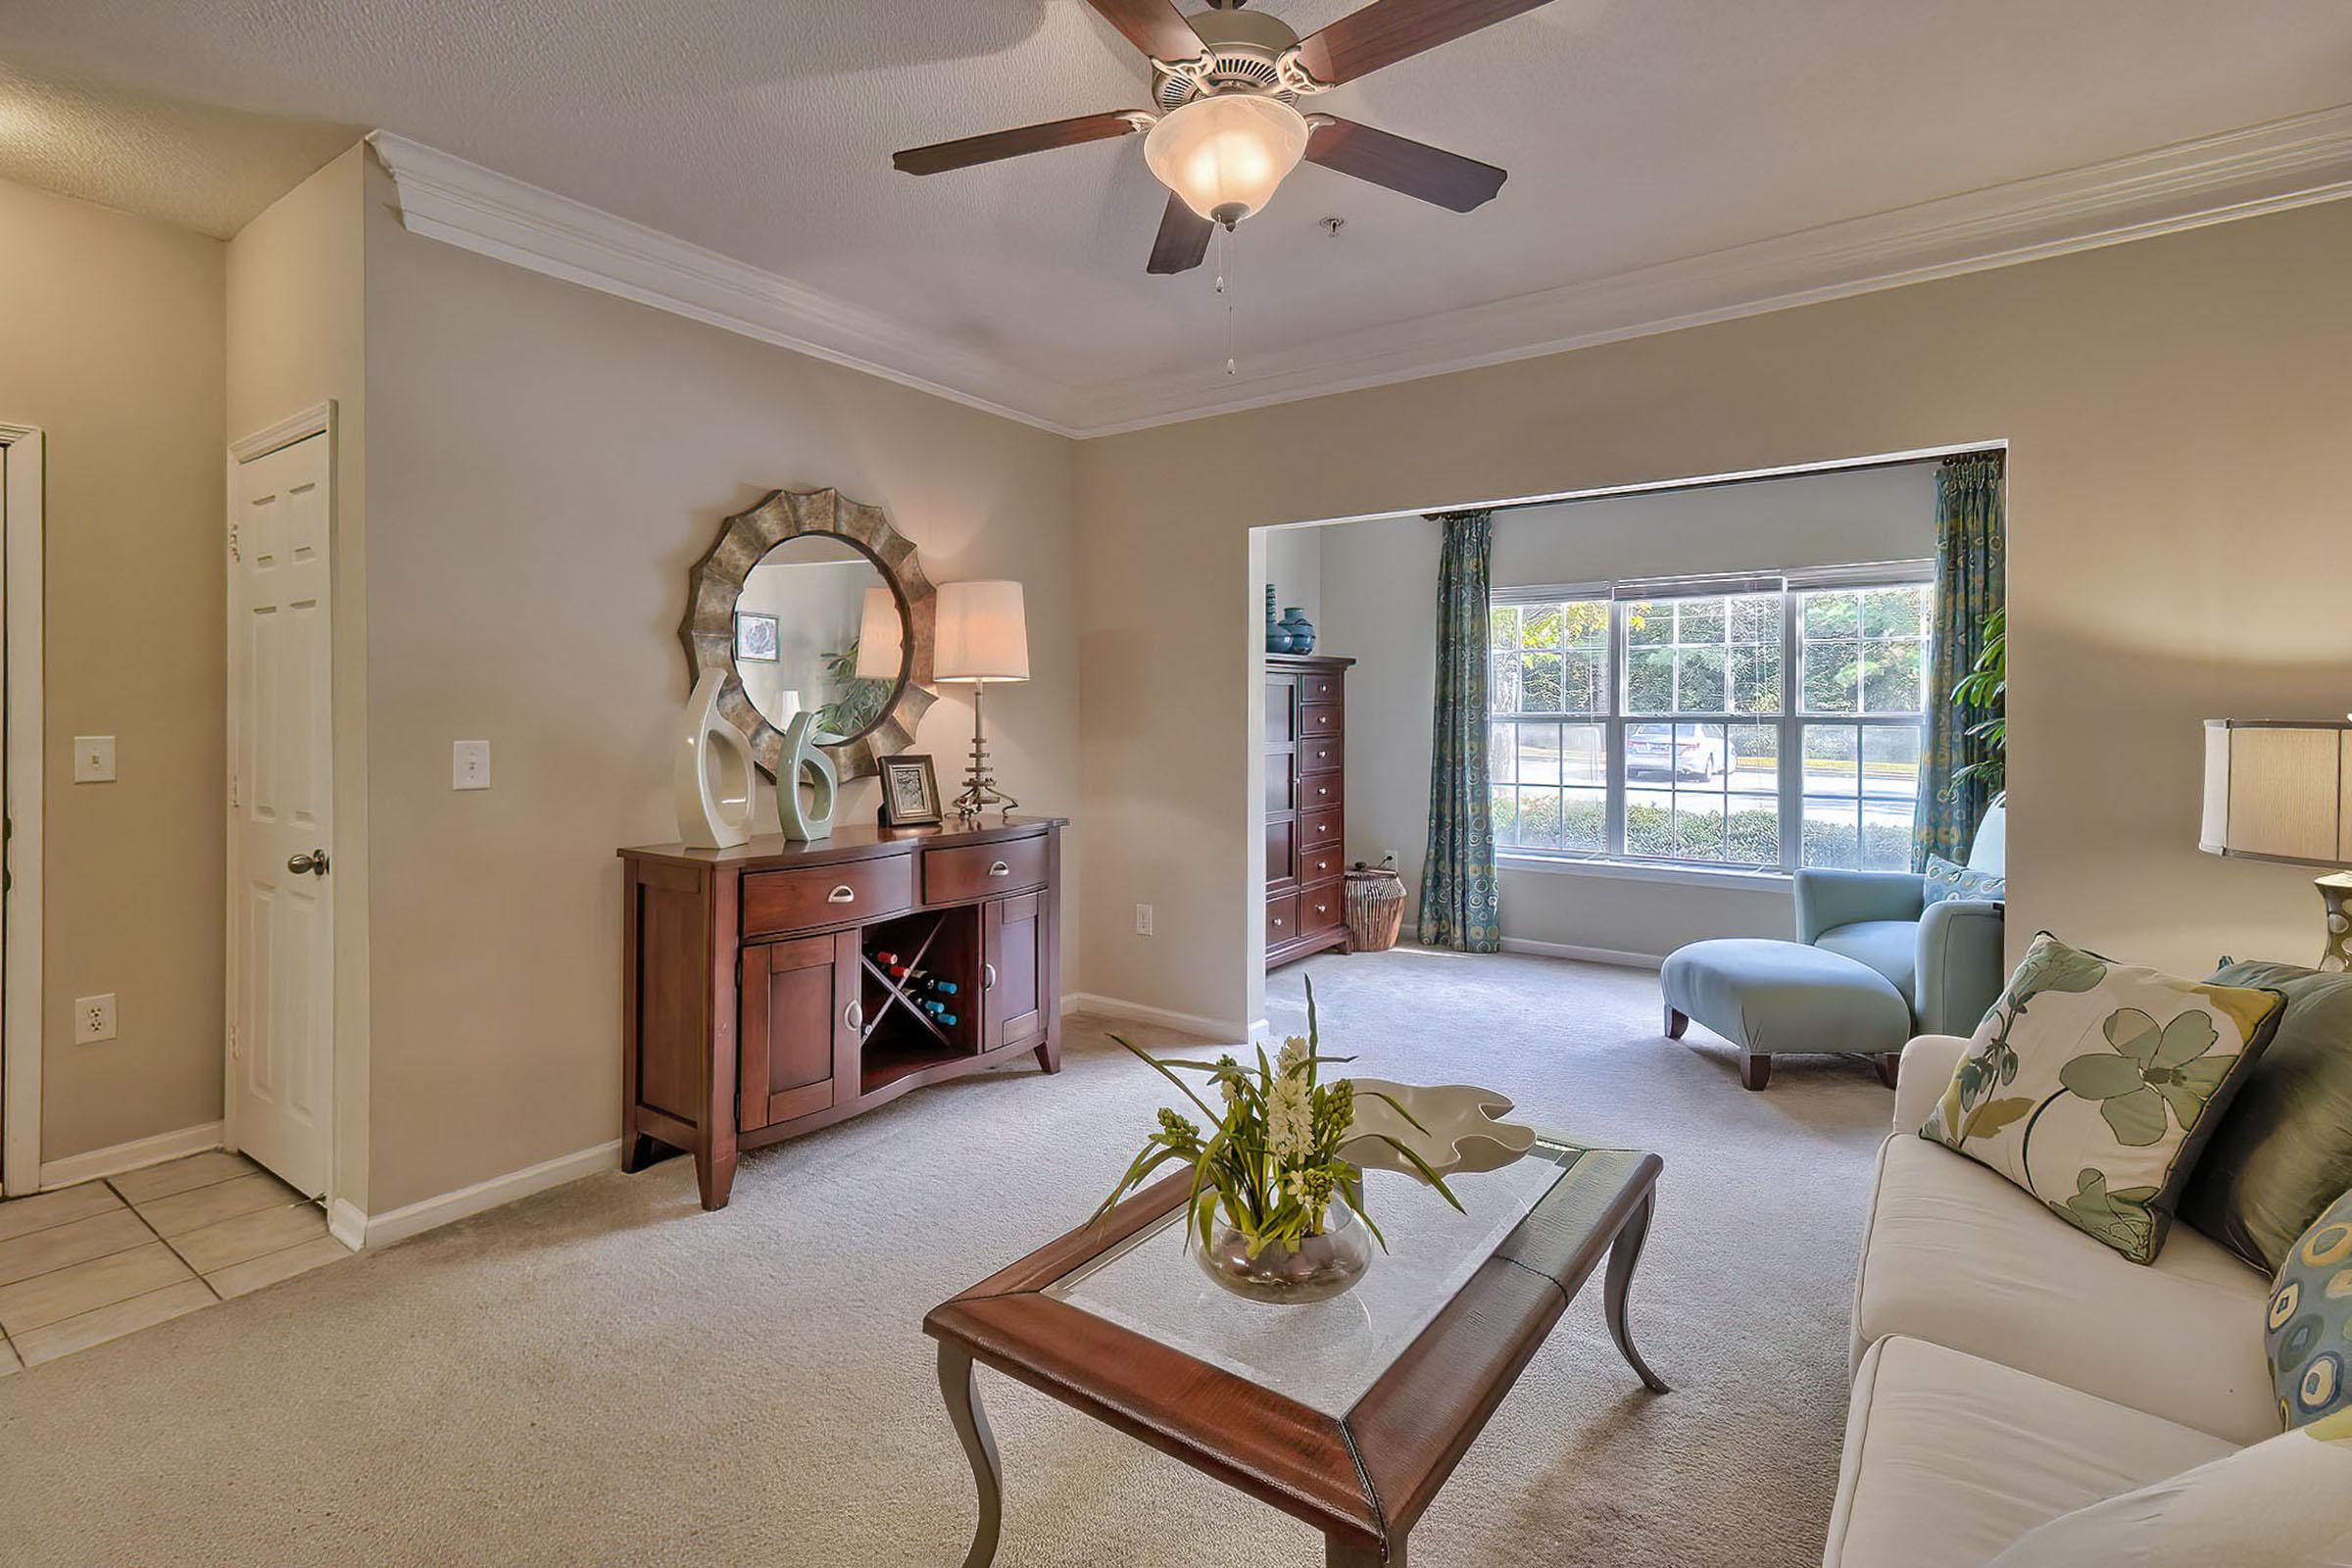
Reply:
x=811, y=602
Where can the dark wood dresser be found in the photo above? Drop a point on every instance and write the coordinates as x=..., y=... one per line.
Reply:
x=775, y=988
x=1306, y=804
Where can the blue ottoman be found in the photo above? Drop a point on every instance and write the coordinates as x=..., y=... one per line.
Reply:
x=1773, y=997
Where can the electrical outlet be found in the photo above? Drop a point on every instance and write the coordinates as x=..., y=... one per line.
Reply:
x=93, y=758
x=1143, y=920
x=93, y=1018
x=469, y=764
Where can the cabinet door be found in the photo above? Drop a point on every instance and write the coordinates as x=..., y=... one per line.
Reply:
x=1015, y=972
x=799, y=1025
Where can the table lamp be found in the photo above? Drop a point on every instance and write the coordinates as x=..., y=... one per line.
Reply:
x=981, y=636
x=881, y=637
x=2281, y=790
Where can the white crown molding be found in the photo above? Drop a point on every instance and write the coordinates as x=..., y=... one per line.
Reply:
x=2240, y=173
x=448, y=199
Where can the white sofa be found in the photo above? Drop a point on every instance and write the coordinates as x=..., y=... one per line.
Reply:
x=2009, y=1369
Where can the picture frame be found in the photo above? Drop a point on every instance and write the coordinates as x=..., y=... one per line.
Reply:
x=909, y=792
x=755, y=639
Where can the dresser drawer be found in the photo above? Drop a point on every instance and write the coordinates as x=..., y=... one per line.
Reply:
x=1318, y=719
x=1319, y=866
x=827, y=894
x=980, y=870
x=1319, y=827
x=1321, y=907
x=1319, y=688
x=1321, y=756
x=1320, y=790
x=1282, y=919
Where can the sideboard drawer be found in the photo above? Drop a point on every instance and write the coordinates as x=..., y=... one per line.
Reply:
x=980, y=870
x=1282, y=919
x=1320, y=789
x=1322, y=907
x=1319, y=827
x=1321, y=866
x=1314, y=688
x=1322, y=755
x=1318, y=719
x=827, y=894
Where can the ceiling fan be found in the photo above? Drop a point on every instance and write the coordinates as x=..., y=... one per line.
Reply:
x=1227, y=127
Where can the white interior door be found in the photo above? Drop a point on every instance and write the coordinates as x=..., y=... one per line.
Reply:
x=281, y=954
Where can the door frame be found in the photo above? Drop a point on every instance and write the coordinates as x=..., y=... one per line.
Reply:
x=319, y=419
x=20, y=966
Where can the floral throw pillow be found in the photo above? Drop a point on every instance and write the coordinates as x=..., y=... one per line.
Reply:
x=2094, y=1085
x=2310, y=1321
x=1944, y=880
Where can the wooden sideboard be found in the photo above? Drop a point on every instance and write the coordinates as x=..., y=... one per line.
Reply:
x=756, y=1003
x=1306, y=804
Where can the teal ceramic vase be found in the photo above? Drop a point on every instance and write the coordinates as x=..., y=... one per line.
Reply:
x=1301, y=629
x=1278, y=636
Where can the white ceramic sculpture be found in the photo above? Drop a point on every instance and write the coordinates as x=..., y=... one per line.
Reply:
x=804, y=755
x=1464, y=1131
x=711, y=776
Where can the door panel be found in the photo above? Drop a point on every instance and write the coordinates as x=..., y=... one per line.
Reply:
x=788, y=1024
x=281, y=662
x=1016, y=973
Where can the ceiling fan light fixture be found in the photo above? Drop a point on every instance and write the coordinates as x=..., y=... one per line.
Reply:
x=1225, y=154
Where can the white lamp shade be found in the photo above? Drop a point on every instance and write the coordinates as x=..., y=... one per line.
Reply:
x=881, y=637
x=2279, y=791
x=982, y=634
x=1225, y=154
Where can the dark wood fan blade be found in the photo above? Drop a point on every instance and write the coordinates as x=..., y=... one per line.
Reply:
x=1183, y=241
x=1414, y=168
x=1389, y=31
x=970, y=150
x=1155, y=27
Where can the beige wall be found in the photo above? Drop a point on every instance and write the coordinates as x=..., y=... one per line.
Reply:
x=546, y=464
x=2177, y=411
x=1380, y=607
x=295, y=328
x=110, y=340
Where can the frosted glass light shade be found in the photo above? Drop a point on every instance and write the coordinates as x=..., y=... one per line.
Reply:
x=881, y=637
x=1225, y=154
x=2279, y=792
x=982, y=634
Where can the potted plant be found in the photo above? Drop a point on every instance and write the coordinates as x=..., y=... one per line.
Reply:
x=1279, y=1214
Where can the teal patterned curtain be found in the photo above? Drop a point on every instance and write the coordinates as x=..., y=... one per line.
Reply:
x=1970, y=573
x=1458, y=898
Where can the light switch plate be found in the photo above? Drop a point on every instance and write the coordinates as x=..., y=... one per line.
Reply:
x=93, y=758
x=93, y=1018
x=1143, y=920
x=469, y=764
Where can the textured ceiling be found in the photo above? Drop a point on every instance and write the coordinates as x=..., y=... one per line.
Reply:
x=1635, y=131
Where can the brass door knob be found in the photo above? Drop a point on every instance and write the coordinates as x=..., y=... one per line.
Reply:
x=313, y=863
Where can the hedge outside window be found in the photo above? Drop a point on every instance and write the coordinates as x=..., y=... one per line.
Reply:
x=1747, y=725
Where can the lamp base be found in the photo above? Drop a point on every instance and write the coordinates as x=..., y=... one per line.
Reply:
x=980, y=792
x=2335, y=892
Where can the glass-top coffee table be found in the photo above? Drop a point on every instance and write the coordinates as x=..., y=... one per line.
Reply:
x=1349, y=1413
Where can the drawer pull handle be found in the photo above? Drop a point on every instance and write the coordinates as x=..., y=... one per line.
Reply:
x=1278, y=922
x=842, y=894
x=1000, y=869
x=988, y=978
x=1322, y=792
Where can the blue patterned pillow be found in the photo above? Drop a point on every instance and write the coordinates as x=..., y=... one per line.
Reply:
x=2311, y=1320
x=1948, y=881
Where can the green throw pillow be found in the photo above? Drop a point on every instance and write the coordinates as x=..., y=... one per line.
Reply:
x=2284, y=1150
x=2094, y=1085
x=2310, y=1321
x=1944, y=880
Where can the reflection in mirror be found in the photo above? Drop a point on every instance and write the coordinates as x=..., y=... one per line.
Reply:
x=819, y=627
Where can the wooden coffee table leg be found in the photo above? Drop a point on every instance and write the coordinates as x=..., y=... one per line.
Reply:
x=1337, y=1554
x=1624, y=1254
x=956, y=1386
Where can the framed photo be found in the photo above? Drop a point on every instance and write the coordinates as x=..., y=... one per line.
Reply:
x=909, y=792
x=755, y=638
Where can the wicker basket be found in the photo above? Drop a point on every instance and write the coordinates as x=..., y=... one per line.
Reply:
x=1375, y=908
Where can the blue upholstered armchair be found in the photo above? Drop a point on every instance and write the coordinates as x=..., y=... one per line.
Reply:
x=1945, y=958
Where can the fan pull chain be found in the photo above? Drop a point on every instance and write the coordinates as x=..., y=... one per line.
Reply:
x=1227, y=293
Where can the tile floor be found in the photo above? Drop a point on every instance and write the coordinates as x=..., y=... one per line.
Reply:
x=85, y=1264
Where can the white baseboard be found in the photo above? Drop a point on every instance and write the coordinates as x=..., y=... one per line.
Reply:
x=1189, y=1022
x=356, y=1229
x=119, y=1157
x=346, y=1223
x=1563, y=949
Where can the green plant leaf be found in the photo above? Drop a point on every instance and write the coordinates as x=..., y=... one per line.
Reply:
x=1161, y=1067
x=1422, y=1165
x=1393, y=1103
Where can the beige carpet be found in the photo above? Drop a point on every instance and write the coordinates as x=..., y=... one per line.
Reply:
x=606, y=1375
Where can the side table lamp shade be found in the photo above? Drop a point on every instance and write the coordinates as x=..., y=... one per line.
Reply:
x=981, y=635
x=2283, y=791
x=881, y=637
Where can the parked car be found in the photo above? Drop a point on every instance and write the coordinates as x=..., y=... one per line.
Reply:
x=1653, y=751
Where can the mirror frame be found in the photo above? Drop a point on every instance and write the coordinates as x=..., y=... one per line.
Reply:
x=715, y=583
